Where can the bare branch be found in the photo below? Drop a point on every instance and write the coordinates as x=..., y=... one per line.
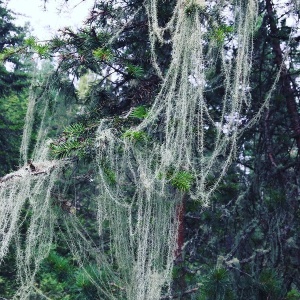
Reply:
x=31, y=169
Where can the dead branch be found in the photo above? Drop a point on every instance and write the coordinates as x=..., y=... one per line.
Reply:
x=31, y=169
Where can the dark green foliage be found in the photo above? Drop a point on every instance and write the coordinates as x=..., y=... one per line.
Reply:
x=12, y=37
x=8, y=283
x=293, y=295
x=13, y=110
x=74, y=130
x=139, y=112
x=138, y=136
x=192, y=7
x=14, y=84
x=103, y=54
x=271, y=285
x=182, y=180
x=74, y=142
x=60, y=277
x=135, y=71
x=221, y=32
x=59, y=263
x=110, y=175
x=217, y=285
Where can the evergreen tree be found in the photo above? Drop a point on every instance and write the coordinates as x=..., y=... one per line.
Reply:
x=12, y=75
x=14, y=84
x=244, y=245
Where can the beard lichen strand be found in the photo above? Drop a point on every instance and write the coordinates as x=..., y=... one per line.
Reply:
x=135, y=196
x=35, y=247
x=141, y=227
x=27, y=131
x=31, y=191
x=27, y=215
x=173, y=93
x=30, y=115
x=145, y=243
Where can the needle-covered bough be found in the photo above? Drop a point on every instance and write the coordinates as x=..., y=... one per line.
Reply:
x=145, y=173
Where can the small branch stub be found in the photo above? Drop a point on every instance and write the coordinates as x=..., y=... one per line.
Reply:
x=32, y=169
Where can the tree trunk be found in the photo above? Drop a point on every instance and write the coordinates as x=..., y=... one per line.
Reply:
x=285, y=78
x=180, y=213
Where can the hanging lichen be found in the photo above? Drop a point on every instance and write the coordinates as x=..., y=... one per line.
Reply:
x=27, y=211
x=145, y=171
x=168, y=154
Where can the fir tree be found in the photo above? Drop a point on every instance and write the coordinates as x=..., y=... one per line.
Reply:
x=160, y=128
x=14, y=84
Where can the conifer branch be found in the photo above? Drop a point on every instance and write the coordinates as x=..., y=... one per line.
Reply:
x=31, y=169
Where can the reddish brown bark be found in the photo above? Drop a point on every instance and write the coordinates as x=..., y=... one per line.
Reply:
x=285, y=78
x=180, y=212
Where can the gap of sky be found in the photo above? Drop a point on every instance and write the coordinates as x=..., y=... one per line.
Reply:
x=45, y=20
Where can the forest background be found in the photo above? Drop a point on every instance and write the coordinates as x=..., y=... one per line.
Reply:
x=245, y=244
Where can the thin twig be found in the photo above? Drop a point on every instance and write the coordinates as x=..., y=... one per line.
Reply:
x=193, y=290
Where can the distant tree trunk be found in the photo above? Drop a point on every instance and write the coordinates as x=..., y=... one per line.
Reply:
x=285, y=78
